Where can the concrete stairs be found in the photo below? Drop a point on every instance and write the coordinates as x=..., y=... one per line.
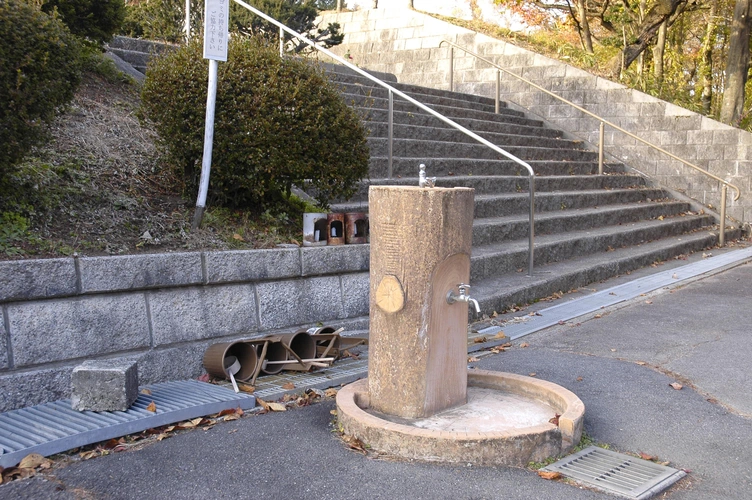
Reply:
x=588, y=227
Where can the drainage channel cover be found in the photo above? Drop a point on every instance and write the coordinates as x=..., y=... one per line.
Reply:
x=54, y=427
x=617, y=473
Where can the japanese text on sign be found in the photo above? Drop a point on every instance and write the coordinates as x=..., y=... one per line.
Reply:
x=216, y=19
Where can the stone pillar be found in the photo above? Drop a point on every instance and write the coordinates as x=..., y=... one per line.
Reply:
x=420, y=250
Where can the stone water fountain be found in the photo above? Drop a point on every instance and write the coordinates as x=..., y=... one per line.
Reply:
x=420, y=401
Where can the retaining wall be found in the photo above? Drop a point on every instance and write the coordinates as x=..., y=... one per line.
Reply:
x=406, y=43
x=163, y=310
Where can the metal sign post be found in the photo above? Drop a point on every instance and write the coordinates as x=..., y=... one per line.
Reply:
x=216, y=20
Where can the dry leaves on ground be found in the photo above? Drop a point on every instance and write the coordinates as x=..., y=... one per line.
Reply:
x=354, y=443
x=676, y=385
x=550, y=475
x=152, y=407
x=28, y=467
x=288, y=386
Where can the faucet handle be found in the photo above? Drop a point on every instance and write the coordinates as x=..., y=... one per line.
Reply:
x=464, y=289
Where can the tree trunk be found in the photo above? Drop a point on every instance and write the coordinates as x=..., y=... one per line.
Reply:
x=658, y=50
x=706, y=55
x=737, y=64
x=647, y=30
x=585, y=35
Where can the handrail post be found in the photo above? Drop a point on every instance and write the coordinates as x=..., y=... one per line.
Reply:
x=390, y=134
x=451, y=69
x=600, y=148
x=722, y=235
x=531, y=243
x=498, y=89
x=281, y=42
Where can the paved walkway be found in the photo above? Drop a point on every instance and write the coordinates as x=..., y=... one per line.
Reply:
x=619, y=361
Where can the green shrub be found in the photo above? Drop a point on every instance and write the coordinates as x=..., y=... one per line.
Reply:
x=278, y=122
x=39, y=73
x=96, y=20
x=162, y=19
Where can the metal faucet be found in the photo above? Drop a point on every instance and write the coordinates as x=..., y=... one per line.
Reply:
x=424, y=181
x=464, y=296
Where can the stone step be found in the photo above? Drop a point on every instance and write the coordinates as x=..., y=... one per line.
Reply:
x=490, y=230
x=346, y=77
x=380, y=129
x=533, y=128
x=139, y=45
x=495, y=259
x=441, y=167
x=427, y=149
x=507, y=116
x=502, y=291
x=351, y=89
x=139, y=60
x=486, y=184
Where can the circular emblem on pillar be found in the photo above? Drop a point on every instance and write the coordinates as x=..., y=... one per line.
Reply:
x=389, y=295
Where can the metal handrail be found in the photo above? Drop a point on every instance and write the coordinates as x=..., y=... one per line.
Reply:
x=602, y=121
x=425, y=108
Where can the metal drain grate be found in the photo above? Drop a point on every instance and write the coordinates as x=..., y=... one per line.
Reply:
x=617, y=473
x=54, y=427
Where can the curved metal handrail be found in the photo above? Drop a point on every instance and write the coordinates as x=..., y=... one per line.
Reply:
x=392, y=91
x=602, y=121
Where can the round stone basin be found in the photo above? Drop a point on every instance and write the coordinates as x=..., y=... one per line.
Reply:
x=507, y=420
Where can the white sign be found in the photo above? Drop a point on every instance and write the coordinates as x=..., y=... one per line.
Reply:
x=216, y=20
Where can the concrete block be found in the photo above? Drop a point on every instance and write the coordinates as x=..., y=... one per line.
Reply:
x=127, y=272
x=104, y=385
x=699, y=137
x=252, y=265
x=335, y=259
x=35, y=279
x=674, y=110
x=57, y=330
x=164, y=364
x=18, y=390
x=4, y=361
x=355, y=294
x=196, y=313
x=726, y=136
x=294, y=302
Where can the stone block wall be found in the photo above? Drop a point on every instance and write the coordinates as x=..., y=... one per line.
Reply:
x=407, y=44
x=163, y=310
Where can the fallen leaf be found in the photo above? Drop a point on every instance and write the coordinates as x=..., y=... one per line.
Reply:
x=660, y=217
x=247, y=388
x=228, y=418
x=508, y=344
x=162, y=436
x=472, y=359
x=598, y=316
x=288, y=386
x=641, y=363
x=229, y=411
x=494, y=314
x=645, y=456
x=236, y=236
x=499, y=335
x=152, y=407
x=550, y=475
x=86, y=455
x=262, y=403
x=480, y=340
x=613, y=350
x=579, y=379
x=146, y=391
x=198, y=421
x=333, y=412
x=331, y=392
x=555, y=419
x=561, y=322
x=533, y=374
x=277, y=407
x=676, y=385
x=32, y=461
x=648, y=301
x=524, y=344
x=354, y=443
x=204, y=378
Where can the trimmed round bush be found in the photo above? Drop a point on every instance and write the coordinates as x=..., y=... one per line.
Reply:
x=39, y=73
x=279, y=122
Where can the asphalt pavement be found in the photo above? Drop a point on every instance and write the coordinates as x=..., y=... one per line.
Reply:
x=619, y=361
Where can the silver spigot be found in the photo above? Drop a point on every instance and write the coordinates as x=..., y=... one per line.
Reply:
x=424, y=181
x=464, y=296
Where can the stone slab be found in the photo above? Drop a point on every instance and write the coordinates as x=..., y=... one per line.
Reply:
x=252, y=265
x=292, y=302
x=163, y=364
x=335, y=259
x=104, y=385
x=4, y=358
x=58, y=330
x=31, y=387
x=127, y=272
x=196, y=313
x=355, y=289
x=38, y=278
